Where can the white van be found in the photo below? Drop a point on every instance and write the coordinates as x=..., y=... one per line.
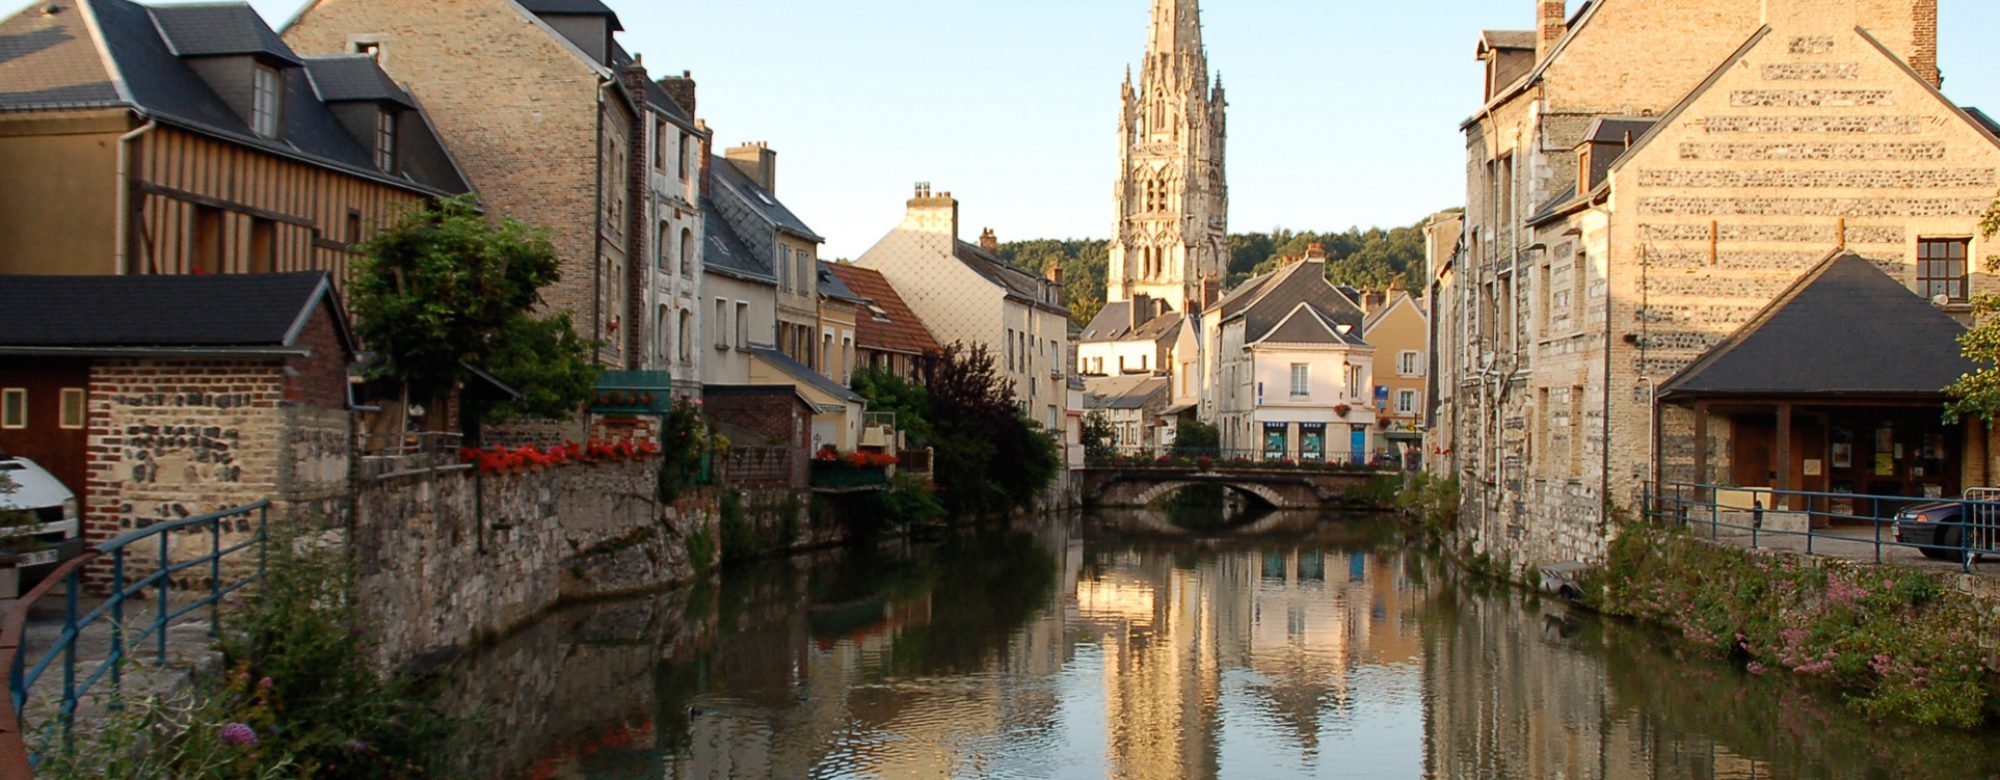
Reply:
x=27, y=487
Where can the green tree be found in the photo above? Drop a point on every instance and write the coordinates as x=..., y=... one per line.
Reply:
x=887, y=392
x=446, y=291
x=1978, y=394
x=1197, y=438
x=1098, y=436
x=989, y=458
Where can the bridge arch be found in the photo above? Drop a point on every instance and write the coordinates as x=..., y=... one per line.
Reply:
x=1264, y=493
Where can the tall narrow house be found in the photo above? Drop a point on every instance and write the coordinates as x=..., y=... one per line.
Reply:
x=1172, y=239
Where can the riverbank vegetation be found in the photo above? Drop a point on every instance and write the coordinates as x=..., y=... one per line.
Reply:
x=301, y=697
x=1894, y=639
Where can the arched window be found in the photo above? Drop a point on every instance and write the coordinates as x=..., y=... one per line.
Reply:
x=663, y=251
x=687, y=252
x=687, y=336
x=662, y=339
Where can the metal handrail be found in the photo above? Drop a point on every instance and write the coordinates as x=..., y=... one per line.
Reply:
x=1700, y=507
x=1147, y=459
x=16, y=760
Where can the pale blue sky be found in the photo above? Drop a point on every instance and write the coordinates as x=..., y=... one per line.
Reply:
x=1343, y=112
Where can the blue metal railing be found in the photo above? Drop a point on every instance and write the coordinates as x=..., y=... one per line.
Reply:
x=16, y=760
x=1184, y=458
x=1960, y=530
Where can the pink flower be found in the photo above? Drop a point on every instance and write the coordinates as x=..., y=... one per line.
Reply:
x=239, y=735
x=1755, y=668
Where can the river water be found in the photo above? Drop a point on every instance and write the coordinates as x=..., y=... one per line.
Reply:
x=1110, y=648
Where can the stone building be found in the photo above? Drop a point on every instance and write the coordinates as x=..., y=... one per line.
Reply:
x=1289, y=375
x=1443, y=234
x=558, y=126
x=1629, y=217
x=164, y=397
x=1172, y=239
x=965, y=294
x=191, y=140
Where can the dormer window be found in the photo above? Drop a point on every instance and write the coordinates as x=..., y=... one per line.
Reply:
x=385, y=140
x=264, y=101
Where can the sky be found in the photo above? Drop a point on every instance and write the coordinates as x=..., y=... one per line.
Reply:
x=1342, y=112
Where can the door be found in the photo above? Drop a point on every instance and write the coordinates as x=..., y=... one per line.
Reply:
x=1358, y=444
x=1753, y=442
x=44, y=405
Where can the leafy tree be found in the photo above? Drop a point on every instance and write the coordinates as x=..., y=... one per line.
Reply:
x=446, y=291
x=887, y=392
x=1978, y=394
x=1099, y=438
x=989, y=457
x=1196, y=437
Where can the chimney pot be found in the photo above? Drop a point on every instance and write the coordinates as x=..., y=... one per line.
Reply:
x=988, y=241
x=1316, y=252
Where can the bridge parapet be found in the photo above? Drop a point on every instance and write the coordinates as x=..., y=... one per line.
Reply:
x=1135, y=486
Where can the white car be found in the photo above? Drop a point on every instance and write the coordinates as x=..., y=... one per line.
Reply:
x=27, y=487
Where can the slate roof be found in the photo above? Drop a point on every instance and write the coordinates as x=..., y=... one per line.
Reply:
x=1123, y=392
x=725, y=253
x=802, y=373
x=355, y=78
x=1845, y=328
x=1267, y=301
x=1619, y=129
x=897, y=328
x=1306, y=325
x=1507, y=39
x=1983, y=119
x=831, y=286
x=572, y=8
x=761, y=201
x=220, y=30
x=1114, y=323
x=177, y=311
x=54, y=63
x=1018, y=282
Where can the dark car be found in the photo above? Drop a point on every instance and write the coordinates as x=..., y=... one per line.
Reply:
x=1949, y=530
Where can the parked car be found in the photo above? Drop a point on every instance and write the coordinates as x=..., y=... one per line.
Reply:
x=47, y=515
x=1950, y=530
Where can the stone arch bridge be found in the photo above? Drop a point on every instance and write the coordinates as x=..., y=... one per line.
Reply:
x=1134, y=487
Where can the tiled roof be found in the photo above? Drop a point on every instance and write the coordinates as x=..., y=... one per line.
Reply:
x=1507, y=39
x=1306, y=325
x=1844, y=328
x=725, y=253
x=53, y=62
x=1123, y=392
x=1019, y=283
x=240, y=310
x=761, y=201
x=896, y=328
x=355, y=78
x=1114, y=323
x=803, y=373
x=1268, y=300
x=831, y=286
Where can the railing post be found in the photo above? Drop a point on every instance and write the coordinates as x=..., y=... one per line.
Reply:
x=160, y=622
x=1878, y=539
x=215, y=579
x=69, y=705
x=263, y=541
x=1964, y=544
x=117, y=656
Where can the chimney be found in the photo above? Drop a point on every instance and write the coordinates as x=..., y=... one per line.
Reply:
x=681, y=89
x=1316, y=253
x=706, y=156
x=933, y=213
x=1924, y=42
x=1054, y=275
x=1551, y=23
x=1142, y=310
x=989, y=242
x=757, y=161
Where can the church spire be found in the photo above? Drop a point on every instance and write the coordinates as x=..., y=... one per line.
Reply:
x=1172, y=195
x=1176, y=28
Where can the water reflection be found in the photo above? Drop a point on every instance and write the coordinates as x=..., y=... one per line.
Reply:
x=1070, y=651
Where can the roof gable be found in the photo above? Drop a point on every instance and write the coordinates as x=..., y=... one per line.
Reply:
x=52, y=61
x=1844, y=328
x=1301, y=282
x=760, y=201
x=895, y=327
x=1305, y=326
x=725, y=253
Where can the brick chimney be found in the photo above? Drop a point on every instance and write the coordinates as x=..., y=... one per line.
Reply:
x=1142, y=310
x=935, y=213
x=989, y=242
x=1551, y=24
x=1924, y=46
x=1316, y=253
x=757, y=161
x=707, y=157
x=681, y=89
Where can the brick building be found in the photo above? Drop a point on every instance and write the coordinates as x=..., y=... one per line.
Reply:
x=558, y=126
x=167, y=397
x=191, y=140
x=1628, y=217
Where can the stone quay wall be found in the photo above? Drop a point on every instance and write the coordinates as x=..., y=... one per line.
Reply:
x=450, y=557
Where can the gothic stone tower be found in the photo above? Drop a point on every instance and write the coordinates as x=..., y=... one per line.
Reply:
x=1172, y=241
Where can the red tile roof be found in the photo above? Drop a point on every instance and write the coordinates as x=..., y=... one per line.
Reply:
x=895, y=328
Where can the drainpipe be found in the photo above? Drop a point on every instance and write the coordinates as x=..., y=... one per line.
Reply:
x=121, y=248
x=597, y=227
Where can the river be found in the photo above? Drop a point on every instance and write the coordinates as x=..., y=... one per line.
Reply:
x=1318, y=648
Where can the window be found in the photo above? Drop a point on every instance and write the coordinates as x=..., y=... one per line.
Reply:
x=721, y=324
x=687, y=252
x=808, y=281
x=663, y=339
x=664, y=249
x=826, y=354
x=1410, y=363
x=1301, y=380
x=73, y=408
x=264, y=102
x=687, y=146
x=742, y=324
x=263, y=246
x=1010, y=350
x=14, y=408
x=1941, y=268
x=353, y=226
x=366, y=48
x=660, y=147
x=385, y=140
x=1407, y=401
x=687, y=337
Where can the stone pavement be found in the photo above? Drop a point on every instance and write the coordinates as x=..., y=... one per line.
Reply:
x=189, y=652
x=1853, y=543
